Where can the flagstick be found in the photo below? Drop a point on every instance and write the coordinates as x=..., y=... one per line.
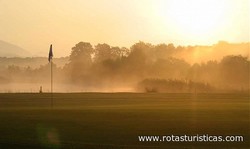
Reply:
x=51, y=84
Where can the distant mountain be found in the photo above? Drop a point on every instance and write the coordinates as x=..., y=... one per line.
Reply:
x=11, y=50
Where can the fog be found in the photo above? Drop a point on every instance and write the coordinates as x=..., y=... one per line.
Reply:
x=199, y=54
x=222, y=67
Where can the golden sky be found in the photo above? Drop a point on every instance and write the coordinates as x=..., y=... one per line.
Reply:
x=34, y=24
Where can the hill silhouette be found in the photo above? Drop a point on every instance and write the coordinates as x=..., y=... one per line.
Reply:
x=11, y=50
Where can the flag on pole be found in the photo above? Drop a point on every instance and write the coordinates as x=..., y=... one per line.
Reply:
x=50, y=60
x=50, y=53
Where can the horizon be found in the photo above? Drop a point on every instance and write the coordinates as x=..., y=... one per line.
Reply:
x=32, y=55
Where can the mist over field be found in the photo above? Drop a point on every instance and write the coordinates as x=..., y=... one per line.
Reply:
x=144, y=67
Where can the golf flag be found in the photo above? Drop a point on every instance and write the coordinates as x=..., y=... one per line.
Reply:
x=51, y=66
x=50, y=53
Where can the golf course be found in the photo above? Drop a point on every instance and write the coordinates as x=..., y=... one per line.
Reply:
x=115, y=120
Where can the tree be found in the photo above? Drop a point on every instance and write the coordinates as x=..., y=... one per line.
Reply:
x=103, y=52
x=80, y=61
x=164, y=51
x=234, y=72
x=81, y=54
x=141, y=53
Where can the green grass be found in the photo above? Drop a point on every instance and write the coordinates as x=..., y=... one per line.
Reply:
x=106, y=120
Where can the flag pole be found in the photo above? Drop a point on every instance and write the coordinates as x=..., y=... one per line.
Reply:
x=51, y=72
x=51, y=83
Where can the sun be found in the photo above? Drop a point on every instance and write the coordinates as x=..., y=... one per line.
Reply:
x=194, y=18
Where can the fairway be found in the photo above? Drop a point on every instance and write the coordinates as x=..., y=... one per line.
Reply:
x=115, y=120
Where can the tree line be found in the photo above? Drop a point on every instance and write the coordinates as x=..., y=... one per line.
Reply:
x=143, y=67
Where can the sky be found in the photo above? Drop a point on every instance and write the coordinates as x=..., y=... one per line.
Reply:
x=35, y=24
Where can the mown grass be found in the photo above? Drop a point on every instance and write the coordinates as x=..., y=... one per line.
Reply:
x=114, y=120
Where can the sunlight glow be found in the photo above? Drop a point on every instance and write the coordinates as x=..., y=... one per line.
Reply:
x=194, y=17
x=121, y=22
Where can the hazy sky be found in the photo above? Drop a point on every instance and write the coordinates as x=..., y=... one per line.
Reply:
x=34, y=24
